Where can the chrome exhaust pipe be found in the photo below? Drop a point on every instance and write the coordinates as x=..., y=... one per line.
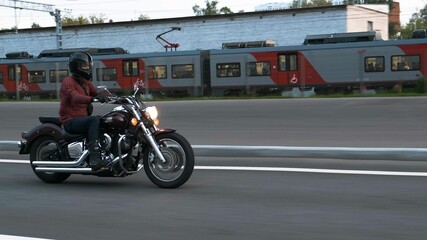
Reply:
x=63, y=163
x=10, y=145
x=63, y=170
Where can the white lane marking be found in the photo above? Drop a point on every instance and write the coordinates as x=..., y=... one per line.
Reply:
x=313, y=170
x=281, y=169
x=10, y=237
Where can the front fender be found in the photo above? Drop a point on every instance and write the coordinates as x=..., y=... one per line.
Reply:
x=45, y=129
x=164, y=130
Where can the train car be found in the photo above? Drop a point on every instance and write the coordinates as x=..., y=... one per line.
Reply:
x=157, y=72
x=241, y=70
x=28, y=76
x=350, y=65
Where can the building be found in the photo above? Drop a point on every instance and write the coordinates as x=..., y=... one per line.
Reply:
x=284, y=26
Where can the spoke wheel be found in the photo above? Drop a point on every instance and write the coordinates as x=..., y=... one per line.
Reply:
x=47, y=149
x=178, y=165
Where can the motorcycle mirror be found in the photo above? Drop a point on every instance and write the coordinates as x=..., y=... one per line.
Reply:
x=135, y=89
x=100, y=89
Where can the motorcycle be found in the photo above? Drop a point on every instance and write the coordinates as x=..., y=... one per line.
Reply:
x=129, y=141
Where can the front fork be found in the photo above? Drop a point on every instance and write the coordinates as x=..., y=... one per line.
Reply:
x=152, y=142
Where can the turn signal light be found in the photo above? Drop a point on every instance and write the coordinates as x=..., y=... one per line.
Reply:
x=134, y=122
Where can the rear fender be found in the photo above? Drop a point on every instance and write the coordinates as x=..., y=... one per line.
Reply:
x=45, y=129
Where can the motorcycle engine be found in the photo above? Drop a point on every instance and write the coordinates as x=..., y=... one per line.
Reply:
x=105, y=142
x=110, y=144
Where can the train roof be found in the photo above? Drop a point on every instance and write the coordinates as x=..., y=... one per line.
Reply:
x=323, y=46
x=342, y=37
x=64, y=57
x=93, y=51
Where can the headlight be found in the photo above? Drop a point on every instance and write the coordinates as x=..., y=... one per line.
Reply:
x=151, y=112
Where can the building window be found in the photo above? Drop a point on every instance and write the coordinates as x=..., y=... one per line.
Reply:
x=370, y=26
x=258, y=69
x=157, y=72
x=1, y=77
x=14, y=72
x=228, y=70
x=183, y=71
x=130, y=68
x=57, y=75
x=374, y=64
x=106, y=74
x=36, y=76
x=405, y=63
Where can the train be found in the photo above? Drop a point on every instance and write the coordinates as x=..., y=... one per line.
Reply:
x=238, y=68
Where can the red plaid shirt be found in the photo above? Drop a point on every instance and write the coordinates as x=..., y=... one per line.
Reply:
x=74, y=100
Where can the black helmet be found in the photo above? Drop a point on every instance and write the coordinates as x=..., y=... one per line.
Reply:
x=80, y=64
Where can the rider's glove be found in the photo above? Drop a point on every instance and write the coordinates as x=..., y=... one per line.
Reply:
x=101, y=97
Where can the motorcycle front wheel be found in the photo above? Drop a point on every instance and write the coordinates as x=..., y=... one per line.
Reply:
x=47, y=149
x=179, y=164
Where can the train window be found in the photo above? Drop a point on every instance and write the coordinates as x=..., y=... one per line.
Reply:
x=157, y=72
x=293, y=62
x=183, y=71
x=14, y=72
x=36, y=76
x=130, y=68
x=288, y=62
x=57, y=75
x=374, y=64
x=258, y=69
x=1, y=77
x=106, y=74
x=228, y=70
x=405, y=63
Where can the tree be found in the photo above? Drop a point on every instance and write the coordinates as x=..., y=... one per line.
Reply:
x=299, y=4
x=80, y=20
x=351, y=2
x=211, y=9
x=95, y=20
x=69, y=21
x=143, y=17
x=35, y=25
x=423, y=14
x=417, y=21
x=310, y=3
x=321, y=3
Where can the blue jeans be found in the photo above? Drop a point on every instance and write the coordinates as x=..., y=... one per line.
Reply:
x=84, y=125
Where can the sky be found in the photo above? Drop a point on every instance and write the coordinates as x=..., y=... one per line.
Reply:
x=127, y=10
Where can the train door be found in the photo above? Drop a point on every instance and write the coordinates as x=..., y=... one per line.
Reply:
x=288, y=69
x=15, y=83
x=130, y=73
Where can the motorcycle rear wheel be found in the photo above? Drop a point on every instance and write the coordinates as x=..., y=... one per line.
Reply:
x=179, y=163
x=46, y=149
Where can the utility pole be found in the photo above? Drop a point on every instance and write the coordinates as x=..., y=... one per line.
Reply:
x=57, y=16
x=56, y=13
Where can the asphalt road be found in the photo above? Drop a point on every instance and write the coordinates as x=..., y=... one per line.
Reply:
x=285, y=201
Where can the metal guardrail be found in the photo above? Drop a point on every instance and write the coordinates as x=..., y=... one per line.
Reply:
x=355, y=153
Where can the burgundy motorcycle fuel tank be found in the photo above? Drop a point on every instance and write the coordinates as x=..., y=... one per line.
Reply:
x=115, y=121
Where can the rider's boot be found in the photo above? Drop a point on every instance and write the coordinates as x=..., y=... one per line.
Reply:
x=96, y=162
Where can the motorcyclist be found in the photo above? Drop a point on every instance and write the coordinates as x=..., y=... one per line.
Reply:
x=77, y=94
